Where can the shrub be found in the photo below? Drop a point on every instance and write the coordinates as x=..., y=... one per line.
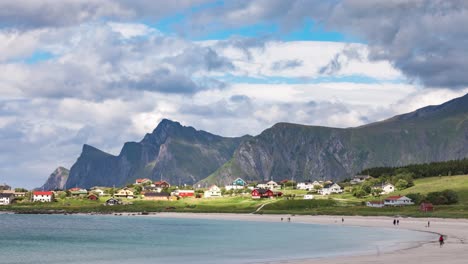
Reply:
x=444, y=197
x=417, y=198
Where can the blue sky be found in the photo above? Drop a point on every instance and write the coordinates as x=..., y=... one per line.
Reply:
x=106, y=72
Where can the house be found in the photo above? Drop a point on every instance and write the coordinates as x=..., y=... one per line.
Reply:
x=264, y=193
x=4, y=187
x=157, y=196
x=6, y=198
x=143, y=181
x=378, y=204
x=213, y=191
x=125, y=193
x=162, y=184
x=93, y=197
x=15, y=193
x=271, y=185
x=98, y=191
x=398, y=201
x=237, y=184
x=78, y=191
x=308, y=197
x=305, y=186
x=113, y=201
x=330, y=188
x=426, y=207
x=184, y=193
x=386, y=188
x=359, y=179
x=43, y=196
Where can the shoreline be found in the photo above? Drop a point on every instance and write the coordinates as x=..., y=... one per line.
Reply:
x=455, y=250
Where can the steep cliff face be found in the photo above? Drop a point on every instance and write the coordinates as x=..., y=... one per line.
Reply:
x=56, y=180
x=290, y=151
x=178, y=154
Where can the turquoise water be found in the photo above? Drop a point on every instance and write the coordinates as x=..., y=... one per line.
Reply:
x=125, y=239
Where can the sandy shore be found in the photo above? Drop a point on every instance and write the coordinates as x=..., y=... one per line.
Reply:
x=454, y=251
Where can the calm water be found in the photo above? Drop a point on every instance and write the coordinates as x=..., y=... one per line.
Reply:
x=120, y=239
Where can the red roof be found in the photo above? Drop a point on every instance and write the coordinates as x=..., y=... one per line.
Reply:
x=42, y=193
x=74, y=189
x=161, y=182
x=394, y=197
x=142, y=180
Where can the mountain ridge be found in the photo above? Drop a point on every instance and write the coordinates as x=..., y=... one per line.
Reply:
x=184, y=155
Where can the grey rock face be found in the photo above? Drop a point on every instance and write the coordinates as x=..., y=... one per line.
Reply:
x=172, y=152
x=56, y=180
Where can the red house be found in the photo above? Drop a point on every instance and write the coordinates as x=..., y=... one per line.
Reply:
x=426, y=207
x=264, y=193
x=184, y=193
x=162, y=184
x=93, y=197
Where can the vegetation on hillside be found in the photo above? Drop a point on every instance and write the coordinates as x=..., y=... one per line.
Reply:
x=445, y=168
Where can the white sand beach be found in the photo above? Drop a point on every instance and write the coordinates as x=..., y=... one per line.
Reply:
x=455, y=250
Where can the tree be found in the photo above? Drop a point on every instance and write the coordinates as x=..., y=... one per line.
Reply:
x=451, y=196
x=401, y=184
x=376, y=192
x=359, y=192
x=417, y=198
x=21, y=190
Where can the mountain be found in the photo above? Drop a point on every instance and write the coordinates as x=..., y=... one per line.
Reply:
x=56, y=180
x=172, y=152
x=291, y=151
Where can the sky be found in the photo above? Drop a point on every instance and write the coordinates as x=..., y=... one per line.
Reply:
x=104, y=72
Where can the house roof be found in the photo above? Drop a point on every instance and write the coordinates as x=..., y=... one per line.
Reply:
x=43, y=193
x=376, y=202
x=142, y=180
x=394, y=197
x=8, y=195
x=262, y=191
x=161, y=182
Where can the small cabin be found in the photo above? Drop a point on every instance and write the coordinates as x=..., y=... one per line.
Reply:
x=426, y=207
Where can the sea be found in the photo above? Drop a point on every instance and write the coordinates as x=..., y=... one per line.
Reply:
x=100, y=239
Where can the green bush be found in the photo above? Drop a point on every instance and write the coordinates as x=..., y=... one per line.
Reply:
x=444, y=197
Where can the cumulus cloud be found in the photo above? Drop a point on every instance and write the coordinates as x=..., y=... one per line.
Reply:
x=422, y=38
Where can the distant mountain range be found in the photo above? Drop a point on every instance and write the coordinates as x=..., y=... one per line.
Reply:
x=183, y=155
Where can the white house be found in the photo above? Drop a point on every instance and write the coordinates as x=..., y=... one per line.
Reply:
x=305, y=186
x=125, y=193
x=98, y=192
x=237, y=184
x=308, y=197
x=271, y=185
x=213, y=191
x=330, y=188
x=398, y=201
x=41, y=196
x=6, y=198
x=377, y=204
x=359, y=179
x=386, y=188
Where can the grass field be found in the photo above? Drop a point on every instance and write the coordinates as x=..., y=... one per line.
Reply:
x=342, y=204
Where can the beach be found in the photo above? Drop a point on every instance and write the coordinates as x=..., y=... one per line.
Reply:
x=455, y=250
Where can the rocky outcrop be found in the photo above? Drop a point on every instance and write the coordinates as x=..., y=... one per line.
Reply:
x=56, y=180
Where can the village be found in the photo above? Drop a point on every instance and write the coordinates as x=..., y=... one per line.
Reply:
x=145, y=189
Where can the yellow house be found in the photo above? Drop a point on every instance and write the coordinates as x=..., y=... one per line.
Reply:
x=125, y=193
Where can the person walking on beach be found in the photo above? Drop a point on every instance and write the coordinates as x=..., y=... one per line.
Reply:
x=281, y=219
x=394, y=221
x=342, y=220
x=441, y=240
x=289, y=219
x=428, y=223
x=398, y=222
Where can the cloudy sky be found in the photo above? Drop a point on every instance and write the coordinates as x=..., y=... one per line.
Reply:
x=104, y=72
